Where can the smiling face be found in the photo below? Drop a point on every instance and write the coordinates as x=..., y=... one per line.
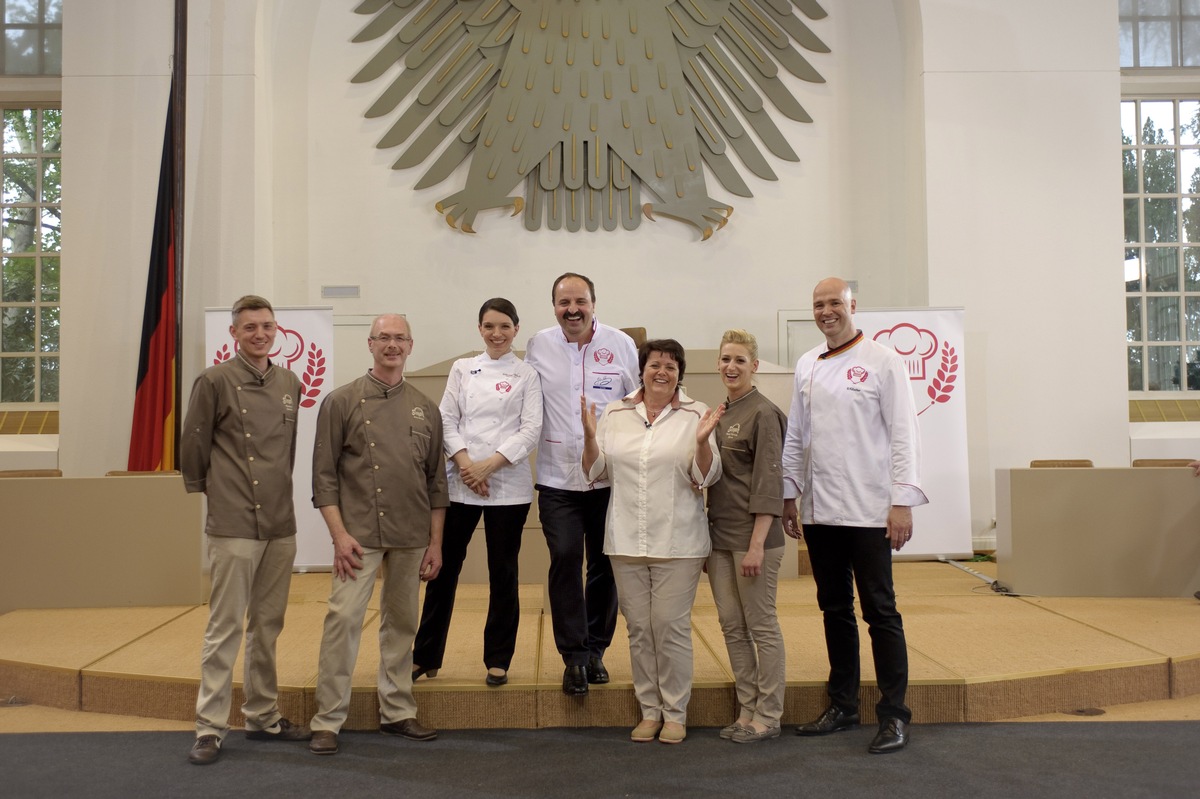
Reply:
x=573, y=306
x=390, y=343
x=736, y=368
x=660, y=375
x=254, y=331
x=498, y=331
x=833, y=311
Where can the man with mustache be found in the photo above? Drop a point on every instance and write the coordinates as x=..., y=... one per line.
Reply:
x=579, y=357
x=238, y=448
x=379, y=480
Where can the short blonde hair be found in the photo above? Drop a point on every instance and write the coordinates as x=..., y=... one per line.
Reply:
x=739, y=336
x=251, y=302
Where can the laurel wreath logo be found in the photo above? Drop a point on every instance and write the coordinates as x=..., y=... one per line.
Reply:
x=942, y=384
x=312, y=378
x=222, y=355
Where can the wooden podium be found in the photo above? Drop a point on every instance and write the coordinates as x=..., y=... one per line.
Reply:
x=1098, y=532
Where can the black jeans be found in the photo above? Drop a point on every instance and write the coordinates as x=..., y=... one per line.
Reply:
x=584, y=615
x=843, y=557
x=502, y=525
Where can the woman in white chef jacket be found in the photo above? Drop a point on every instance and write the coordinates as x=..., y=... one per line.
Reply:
x=492, y=416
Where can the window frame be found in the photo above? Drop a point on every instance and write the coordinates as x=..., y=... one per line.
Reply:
x=1159, y=84
x=38, y=303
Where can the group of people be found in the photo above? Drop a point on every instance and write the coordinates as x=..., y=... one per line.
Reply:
x=625, y=463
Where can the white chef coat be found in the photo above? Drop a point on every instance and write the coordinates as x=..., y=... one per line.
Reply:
x=492, y=406
x=604, y=370
x=853, y=446
x=656, y=509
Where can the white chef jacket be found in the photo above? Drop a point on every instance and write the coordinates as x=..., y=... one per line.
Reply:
x=492, y=406
x=604, y=370
x=853, y=447
x=656, y=509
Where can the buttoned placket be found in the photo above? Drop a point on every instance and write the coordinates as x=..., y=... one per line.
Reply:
x=374, y=465
x=249, y=457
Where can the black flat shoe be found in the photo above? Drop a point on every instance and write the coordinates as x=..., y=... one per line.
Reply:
x=496, y=680
x=421, y=670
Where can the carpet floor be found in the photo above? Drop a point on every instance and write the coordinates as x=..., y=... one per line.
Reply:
x=1002, y=760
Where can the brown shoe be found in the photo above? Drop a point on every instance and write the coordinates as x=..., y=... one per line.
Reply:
x=206, y=750
x=282, y=730
x=323, y=742
x=409, y=728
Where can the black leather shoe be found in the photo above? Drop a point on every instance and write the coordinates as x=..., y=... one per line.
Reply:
x=834, y=719
x=205, y=750
x=892, y=737
x=496, y=680
x=409, y=728
x=575, y=682
x=596, y=673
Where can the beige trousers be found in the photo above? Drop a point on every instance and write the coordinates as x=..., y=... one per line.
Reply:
x=250, y=581
x=655, y=596
x=398, y=604
x=746, y=608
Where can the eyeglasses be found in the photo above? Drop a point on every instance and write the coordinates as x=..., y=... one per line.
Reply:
x=385, y=339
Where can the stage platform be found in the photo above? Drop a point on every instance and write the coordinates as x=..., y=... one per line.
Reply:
x=974, y=656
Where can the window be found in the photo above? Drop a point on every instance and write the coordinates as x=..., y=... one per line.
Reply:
x=32, y=41
x=1160, y=154
x=30, y=218
x=1160, y=33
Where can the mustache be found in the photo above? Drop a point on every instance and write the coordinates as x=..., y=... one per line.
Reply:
x=577, y=315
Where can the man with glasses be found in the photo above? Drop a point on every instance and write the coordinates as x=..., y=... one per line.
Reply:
x=379, y=480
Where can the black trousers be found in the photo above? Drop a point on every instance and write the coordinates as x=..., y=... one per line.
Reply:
x=502, y=525
x=584, y=613
x=843, y=557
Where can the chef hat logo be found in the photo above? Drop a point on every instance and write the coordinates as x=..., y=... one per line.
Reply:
x=289, y=346
x=914, y=345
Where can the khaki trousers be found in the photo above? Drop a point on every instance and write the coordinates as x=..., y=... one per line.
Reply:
x=746, y=608
x=250, y=581
x=398, y=604
x=655, y=596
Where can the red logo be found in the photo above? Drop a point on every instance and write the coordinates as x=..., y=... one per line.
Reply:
x=913, y=344
x=504, y=387
x=290, y=350
x=856, y=374
x=917, y=347
x=603, y=356
x=943, y=383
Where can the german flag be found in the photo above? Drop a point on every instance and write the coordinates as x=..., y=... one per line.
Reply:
x=152, y=443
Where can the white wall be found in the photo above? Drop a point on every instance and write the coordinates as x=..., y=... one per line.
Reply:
x=975, y=133
x=1024, y=229
x=115, y=104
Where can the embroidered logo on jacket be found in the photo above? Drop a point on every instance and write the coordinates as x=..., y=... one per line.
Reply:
x=604, y=356
x=504, y=387
x=734, y=431
x=418, y=413
x=856, y=374
x=288, y=403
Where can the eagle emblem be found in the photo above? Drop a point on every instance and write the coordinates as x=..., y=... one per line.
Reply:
x=588, y=102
